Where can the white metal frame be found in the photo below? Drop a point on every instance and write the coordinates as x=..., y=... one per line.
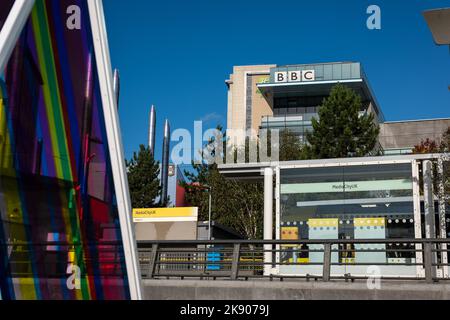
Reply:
x=417, y=216
x=9, y=36
x=349, y=162
x=277, y=216
x=442, y=214
x=268, y=218
x=12, y=28
x=235, y=170
x=109, y=102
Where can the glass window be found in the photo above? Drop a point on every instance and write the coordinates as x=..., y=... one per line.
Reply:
x=327, y=72
x=337, y=71
x=351, y=202
x=356, y=70
x=346, y=71
x=56, y=182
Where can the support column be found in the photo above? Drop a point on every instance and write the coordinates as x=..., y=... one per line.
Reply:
x=417, y=217
x=430, y=225
x=442, y=217
x=268, y=218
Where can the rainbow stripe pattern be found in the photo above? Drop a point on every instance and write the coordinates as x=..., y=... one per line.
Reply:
x=59, y=228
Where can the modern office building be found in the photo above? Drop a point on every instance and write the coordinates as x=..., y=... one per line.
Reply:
x=288, y=97
x=400, y=137
x=65, y=214
x=347, y=199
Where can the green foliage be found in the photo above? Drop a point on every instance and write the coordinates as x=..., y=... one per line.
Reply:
x=341, y=131
x=238, y=205
x=291, y=148
x=143, y=180
x=431, y=146
x=426, y=146
x=445, y=142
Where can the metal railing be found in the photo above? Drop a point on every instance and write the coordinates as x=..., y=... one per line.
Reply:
x=234, y=259
x=51, y=259
x=245, y=259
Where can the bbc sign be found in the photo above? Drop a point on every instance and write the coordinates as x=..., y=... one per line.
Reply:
x=295, y=76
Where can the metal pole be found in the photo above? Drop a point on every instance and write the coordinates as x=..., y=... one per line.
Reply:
x=442, y=217
x=165, y=164
x=152, y=130
x=268, y=218
x=116, y=85
x=326, y=262
x=209, y=215
x=235, y=262
x=429, y=270
x=430, y=225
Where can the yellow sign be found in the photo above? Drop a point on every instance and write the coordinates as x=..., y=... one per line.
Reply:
x=165, y=214
x=317, y=223
x=289, y=233
x=369, y=222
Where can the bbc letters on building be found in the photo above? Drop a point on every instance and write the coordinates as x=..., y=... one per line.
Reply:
x=295, y=76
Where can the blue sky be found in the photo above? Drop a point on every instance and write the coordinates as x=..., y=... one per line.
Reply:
x=177, y=54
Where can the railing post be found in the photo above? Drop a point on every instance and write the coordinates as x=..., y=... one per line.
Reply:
x=235, y=263
x=326, y=262
x=428, y=261
x=153, y=258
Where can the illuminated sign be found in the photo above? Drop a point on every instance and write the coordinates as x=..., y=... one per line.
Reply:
x=295, y=76
x=165, y=214
x=348, y=186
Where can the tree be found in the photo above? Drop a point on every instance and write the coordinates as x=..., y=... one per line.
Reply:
x=445, y=142
x=236, y=204
x=431, y=146
x=291, y=148
x=426, y=146
x=143, y=180
x=341, y=131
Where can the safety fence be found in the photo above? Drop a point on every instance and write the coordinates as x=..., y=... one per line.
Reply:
x=52, y=260
x=310, y=259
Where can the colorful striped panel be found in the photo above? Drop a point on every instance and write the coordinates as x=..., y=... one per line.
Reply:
x=59, y=228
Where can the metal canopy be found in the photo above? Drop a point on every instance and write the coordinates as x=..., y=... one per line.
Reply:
x=439, y=23
x=255, y=171
x=309, y=88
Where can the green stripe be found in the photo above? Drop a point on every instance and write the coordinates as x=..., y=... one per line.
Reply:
x=56, y=122
x=53, y=95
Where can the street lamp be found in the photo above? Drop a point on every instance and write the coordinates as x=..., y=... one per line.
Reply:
x=438, y=21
